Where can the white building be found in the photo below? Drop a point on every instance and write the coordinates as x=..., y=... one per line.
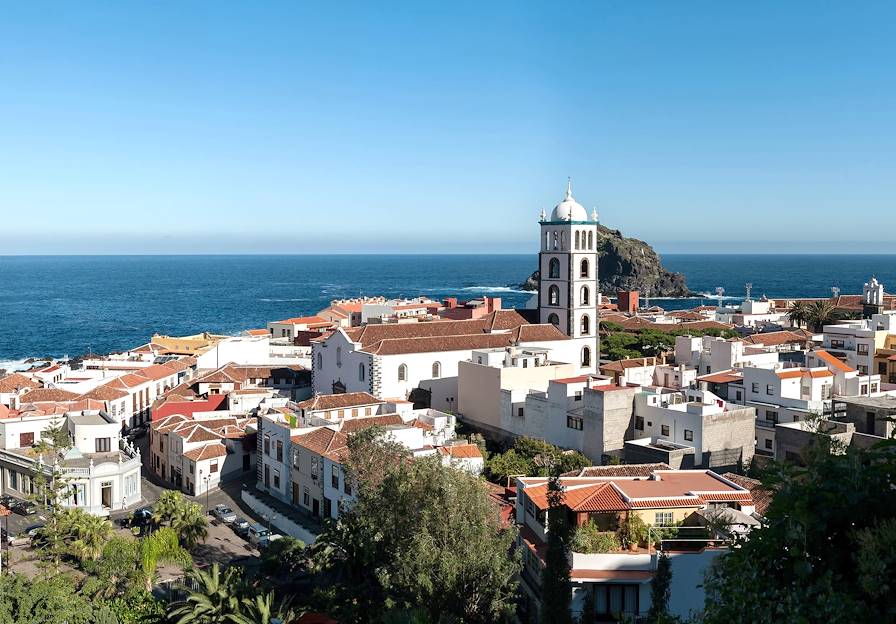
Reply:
x=101, y=471
x=568, y=290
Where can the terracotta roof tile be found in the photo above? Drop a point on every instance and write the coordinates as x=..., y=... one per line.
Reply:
x=461, y=451
x=353, y=425
x=337, y=401
x=207, y=451
x=16, y=380
x=47, y=394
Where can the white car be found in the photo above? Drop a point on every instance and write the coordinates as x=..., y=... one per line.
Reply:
x=224, y=513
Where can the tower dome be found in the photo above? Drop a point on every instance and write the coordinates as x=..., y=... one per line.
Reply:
x=569, y=209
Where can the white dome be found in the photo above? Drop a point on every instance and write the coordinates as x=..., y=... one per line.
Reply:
x=569, y=209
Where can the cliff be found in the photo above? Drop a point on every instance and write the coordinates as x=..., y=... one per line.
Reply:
x=629, y=264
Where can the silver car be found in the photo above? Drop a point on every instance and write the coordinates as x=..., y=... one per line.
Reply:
x=224, y=513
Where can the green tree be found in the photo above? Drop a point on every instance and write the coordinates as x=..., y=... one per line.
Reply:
x=798, y=313
x=263, y=607
x=421, y=535
x=556, y=587
x=660, y=591
x=168, y=506
x=85, y=533
x=215, y=601
x=41, y=600
x=821, y=313
x=589, y=615
x=825, y=553
x=190, y=523
x=114, y=574
x=284, y=557
x=161, y=546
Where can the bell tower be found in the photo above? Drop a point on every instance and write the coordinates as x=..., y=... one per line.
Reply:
x=568, y=294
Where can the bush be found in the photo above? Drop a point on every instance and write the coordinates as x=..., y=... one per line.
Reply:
x=588, y=539
x=633, y=530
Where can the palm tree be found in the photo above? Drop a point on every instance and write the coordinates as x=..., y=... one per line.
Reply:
x=159, y=547
x=821, y=313
x=214, y=602
x=191, y=524
x=263, y=607
x=166, y=509
x=798, y=313
x=88, y=533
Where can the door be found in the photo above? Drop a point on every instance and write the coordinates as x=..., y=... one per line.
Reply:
x=106, y=495
x=315, y=507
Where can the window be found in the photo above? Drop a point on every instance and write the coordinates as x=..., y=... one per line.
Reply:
x=583, y=268
x=584, y=297
x=314, y=472
x=354, y=412
x=556, y=240
x=770, y=390
x=554, y=268
x=213, y=467
x=103, y=445
x=367, y=411
x=436, y=370
x=402, y=372
x=574, y=422
x=553, y=319
x=334, y=476
x=276, y=479
x=306, y=497
x=361, y=372
x=838, y=344
x=586, y=324
x=664, y=430
x=577, y=239
x=577, y=396
x=296, y=457
x=862, y=349
x=346, y=486
x=553, y=296
x=586, y=356
x=639, y=423
x=771, y=416
x=26, y=439
x=768, y=443
x=864, y=389
x=519, y=412
x=267, y=444
x=279, y=450
x=738, y=396
x=590, y=240
x=664, y=518
x=530, y=507
x=688, y=435
x=320, y=360
x=826, y=392
x=755, y=388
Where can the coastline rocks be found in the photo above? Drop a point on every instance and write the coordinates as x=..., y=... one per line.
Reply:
x=629, y=264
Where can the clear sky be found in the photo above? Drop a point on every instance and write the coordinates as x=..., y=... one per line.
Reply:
x=164, y=127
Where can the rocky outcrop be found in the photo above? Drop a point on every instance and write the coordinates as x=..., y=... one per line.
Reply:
x=629, y=264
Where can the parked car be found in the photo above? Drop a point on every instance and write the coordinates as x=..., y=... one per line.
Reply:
x=259, y=535
x=24, y=508
x=224, y=513
x=240, y=526
x=139, y=518
x=33, y=530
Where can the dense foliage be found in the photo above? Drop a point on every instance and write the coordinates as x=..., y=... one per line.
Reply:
x=423, y=539
x=556, y=587
x=828, y=552
x=589, y=539
x=620, y=345
x=532, y=457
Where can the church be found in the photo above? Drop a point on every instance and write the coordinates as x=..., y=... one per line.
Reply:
x=421, y=359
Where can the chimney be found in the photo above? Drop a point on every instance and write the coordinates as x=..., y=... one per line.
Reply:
x=493, y=303
x=451, y=302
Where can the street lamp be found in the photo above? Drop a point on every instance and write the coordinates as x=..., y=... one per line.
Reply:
x=207, y=479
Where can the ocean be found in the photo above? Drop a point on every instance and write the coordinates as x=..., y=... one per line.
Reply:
x=61, y=306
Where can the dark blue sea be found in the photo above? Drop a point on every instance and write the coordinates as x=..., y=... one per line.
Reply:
x=68, y=305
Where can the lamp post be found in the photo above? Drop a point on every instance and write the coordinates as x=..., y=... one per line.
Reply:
x=208, y=478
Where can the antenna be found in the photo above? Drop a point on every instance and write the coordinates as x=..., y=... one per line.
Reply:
x=719, y=292
x=749, y=287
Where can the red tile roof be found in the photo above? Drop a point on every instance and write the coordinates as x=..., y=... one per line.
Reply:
x=722, y=377
x=461, y=451
x=338, y=401
x=832, y=361
x=16, y=381
x=47, y=394
x=208, y=451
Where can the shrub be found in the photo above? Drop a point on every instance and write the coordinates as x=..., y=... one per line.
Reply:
x=633, y=530
x=588, y=539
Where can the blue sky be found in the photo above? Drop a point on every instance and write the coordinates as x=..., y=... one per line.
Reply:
x=444, y=127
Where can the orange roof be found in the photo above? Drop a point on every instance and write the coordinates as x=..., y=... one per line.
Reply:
x=304, y=320
x=207, y=452
x=722, y=377
x=257, y=332
x=832, y=361
x=572, y=380
x=461, y=451
x=11, y=383
x=793, y=373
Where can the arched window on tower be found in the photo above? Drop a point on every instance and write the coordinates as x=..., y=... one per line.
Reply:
x=590, y=240
x=577, y=239
x=361, y=372
x=585, y=296
x=586, y=356
x=586, y=325
x=556, y=240
x=553, y=296
x=554, y=268
x=402, y=372
x=320, y=361
x=583, y=272
x=563, y=241
x=554, y=320
x=436, y=370
x=547, y=241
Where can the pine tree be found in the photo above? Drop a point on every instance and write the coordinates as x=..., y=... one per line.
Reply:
x=556, y=588
x=660, y=591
